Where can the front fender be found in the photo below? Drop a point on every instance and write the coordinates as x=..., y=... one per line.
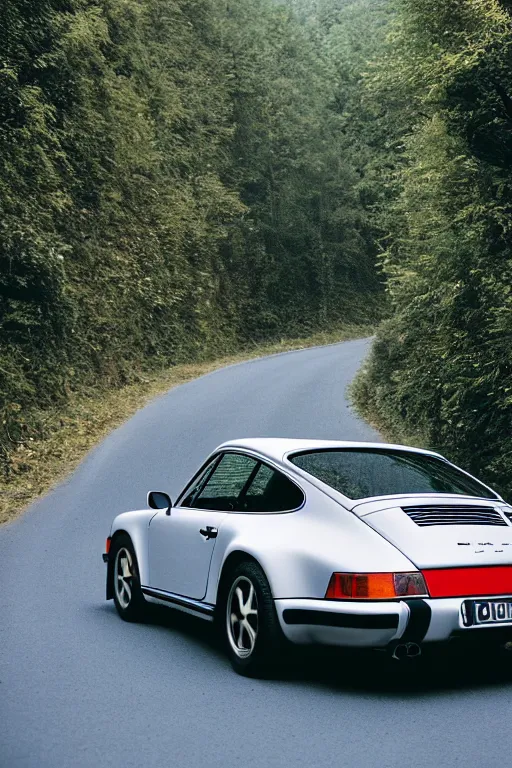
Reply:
x=136, y=525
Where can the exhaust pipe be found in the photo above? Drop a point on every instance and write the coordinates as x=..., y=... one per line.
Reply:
x=399, y=652
x=403, y=651
x=413, y=650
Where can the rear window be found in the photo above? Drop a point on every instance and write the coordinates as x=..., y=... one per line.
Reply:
x=361, y=474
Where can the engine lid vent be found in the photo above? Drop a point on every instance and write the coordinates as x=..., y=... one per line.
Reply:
x=446, y=514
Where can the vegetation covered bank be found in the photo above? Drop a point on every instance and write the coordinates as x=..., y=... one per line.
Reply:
x=177, y=180
x=181, y=179
x=441, y=370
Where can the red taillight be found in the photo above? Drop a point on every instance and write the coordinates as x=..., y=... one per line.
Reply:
x=375, y=586
x=470, y=582
x=107, y=545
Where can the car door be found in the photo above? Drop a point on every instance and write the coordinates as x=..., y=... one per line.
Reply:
x=181, y=544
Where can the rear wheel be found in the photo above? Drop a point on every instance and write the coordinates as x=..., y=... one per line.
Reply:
x=128, y=596
x=253, y=636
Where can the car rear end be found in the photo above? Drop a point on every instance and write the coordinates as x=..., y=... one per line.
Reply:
x=454, y=531
x=463, y=550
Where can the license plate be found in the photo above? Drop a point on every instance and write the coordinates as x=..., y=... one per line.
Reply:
x=478, y=612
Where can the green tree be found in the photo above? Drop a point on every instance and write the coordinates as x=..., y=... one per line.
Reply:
x=441, y=366
x=176, y=178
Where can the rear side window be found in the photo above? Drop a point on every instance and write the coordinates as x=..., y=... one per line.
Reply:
x=270, y=491
x=361, y=474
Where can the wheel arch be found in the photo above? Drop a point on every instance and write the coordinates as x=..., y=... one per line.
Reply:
x=135, y=525
x=234, y=559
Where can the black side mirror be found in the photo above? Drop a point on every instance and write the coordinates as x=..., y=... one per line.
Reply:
x=159, y=500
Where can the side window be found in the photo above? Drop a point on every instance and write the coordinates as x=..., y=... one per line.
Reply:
x=193, y=490
x=270, y=491
x=227, y=482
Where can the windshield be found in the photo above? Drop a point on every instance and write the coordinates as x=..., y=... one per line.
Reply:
x=363, y=473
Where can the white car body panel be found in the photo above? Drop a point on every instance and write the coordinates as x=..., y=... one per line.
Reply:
x=175, y=539
x=304, y=634
x=136, y=525
x=300, y=550
x=435, y=546
x=369, y=506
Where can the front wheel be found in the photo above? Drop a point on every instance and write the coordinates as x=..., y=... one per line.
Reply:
x=128, y=597
x=253, y=636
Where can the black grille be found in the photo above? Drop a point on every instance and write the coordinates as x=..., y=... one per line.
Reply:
x=454, y=515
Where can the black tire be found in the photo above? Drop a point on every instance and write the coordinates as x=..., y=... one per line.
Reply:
x=269, y=642
x=128, y=597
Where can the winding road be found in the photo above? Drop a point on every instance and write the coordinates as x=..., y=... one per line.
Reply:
x=80, y=688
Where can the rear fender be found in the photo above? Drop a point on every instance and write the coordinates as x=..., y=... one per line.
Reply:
x=301, y=550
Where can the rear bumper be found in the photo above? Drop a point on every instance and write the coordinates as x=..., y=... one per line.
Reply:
x=371, y=625
x=377, y=624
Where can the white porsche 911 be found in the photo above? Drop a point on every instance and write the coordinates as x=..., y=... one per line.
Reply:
x=348, y=544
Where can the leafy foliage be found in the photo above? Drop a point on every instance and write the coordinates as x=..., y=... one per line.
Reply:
x=441, y=367
x=175, y=181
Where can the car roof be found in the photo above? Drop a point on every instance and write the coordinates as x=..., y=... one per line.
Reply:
x=278, y=448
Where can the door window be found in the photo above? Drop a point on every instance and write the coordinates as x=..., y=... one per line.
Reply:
x=195, y=487
x=223, y=488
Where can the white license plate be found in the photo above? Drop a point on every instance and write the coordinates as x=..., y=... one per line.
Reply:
x=492, y=611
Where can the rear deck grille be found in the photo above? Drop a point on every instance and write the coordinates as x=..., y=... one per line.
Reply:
x=454, y=515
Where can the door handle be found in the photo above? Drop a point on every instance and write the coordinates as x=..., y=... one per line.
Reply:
x=209, y=532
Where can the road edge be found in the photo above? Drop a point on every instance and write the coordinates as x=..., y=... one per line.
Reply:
x=88, y=418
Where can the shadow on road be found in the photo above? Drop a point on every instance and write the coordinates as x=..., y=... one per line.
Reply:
x=446, y=670
x=374, y=672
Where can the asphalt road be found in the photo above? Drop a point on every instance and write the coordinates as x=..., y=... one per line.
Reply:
x=79, y=687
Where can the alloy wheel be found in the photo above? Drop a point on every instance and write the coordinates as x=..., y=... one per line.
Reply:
x=242, y=617
x=123, y=575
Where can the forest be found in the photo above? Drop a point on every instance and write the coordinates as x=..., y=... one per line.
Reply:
x=181, y=178
x=441, y=369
